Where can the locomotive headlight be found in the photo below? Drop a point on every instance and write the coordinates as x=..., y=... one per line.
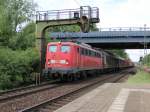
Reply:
x=52, y=61
x=63, y=62
x=49, y=63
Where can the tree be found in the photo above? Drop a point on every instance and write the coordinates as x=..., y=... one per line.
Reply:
x=25, y=38
x=17, y=32
x=21, y=11
x=146, y=60
x=13, y=15
x=120, y=53
x=5, y=24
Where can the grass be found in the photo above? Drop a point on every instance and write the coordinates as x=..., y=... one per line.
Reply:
x=140, y=78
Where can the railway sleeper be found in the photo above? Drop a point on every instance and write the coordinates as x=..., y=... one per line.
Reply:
x=52, y=107
x=63, y=102
x=43, y=110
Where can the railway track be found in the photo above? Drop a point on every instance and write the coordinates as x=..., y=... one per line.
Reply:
x=56, y=102
x=22, y=100
x=23, y=91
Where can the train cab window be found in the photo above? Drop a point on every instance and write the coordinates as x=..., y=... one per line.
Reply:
x=52, y=48
x=65, y=48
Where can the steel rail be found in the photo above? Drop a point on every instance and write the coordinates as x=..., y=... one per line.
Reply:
x=24, y=91
x=43, y=104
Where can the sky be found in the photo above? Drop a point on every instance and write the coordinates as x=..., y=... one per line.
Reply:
x=113, y=13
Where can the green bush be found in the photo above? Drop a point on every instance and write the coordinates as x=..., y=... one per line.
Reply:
x=141, y=77
x=16, y=66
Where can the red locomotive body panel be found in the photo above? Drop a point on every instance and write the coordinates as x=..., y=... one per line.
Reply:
x=90, y=61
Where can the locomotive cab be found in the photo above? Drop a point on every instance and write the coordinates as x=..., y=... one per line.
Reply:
x=58, y=57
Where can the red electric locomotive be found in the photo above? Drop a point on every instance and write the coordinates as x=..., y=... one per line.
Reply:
x=68, y=60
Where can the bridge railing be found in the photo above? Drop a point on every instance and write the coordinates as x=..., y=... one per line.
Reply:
x=107, y=33
x=90, y=12
x=125, y=29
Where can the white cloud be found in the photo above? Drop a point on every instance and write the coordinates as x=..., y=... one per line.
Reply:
x=127, y=13
x=56, y=4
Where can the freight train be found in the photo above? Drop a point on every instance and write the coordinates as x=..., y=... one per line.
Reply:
x=70, y=60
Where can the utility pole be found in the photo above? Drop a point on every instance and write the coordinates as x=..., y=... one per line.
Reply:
x=145, y=45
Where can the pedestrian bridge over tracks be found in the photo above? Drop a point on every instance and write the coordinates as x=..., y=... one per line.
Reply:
x=106, y=38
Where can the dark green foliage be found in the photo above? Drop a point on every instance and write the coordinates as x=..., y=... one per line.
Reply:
x=24, y=39
x=146, y=60
x=13, y=13
x=18, y=59
x=71, y=28
x=16, y=66
x=94, y=27
x=120, y=53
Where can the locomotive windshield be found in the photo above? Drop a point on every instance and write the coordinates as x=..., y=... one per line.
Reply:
x=52, y=48
x=65, y=48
